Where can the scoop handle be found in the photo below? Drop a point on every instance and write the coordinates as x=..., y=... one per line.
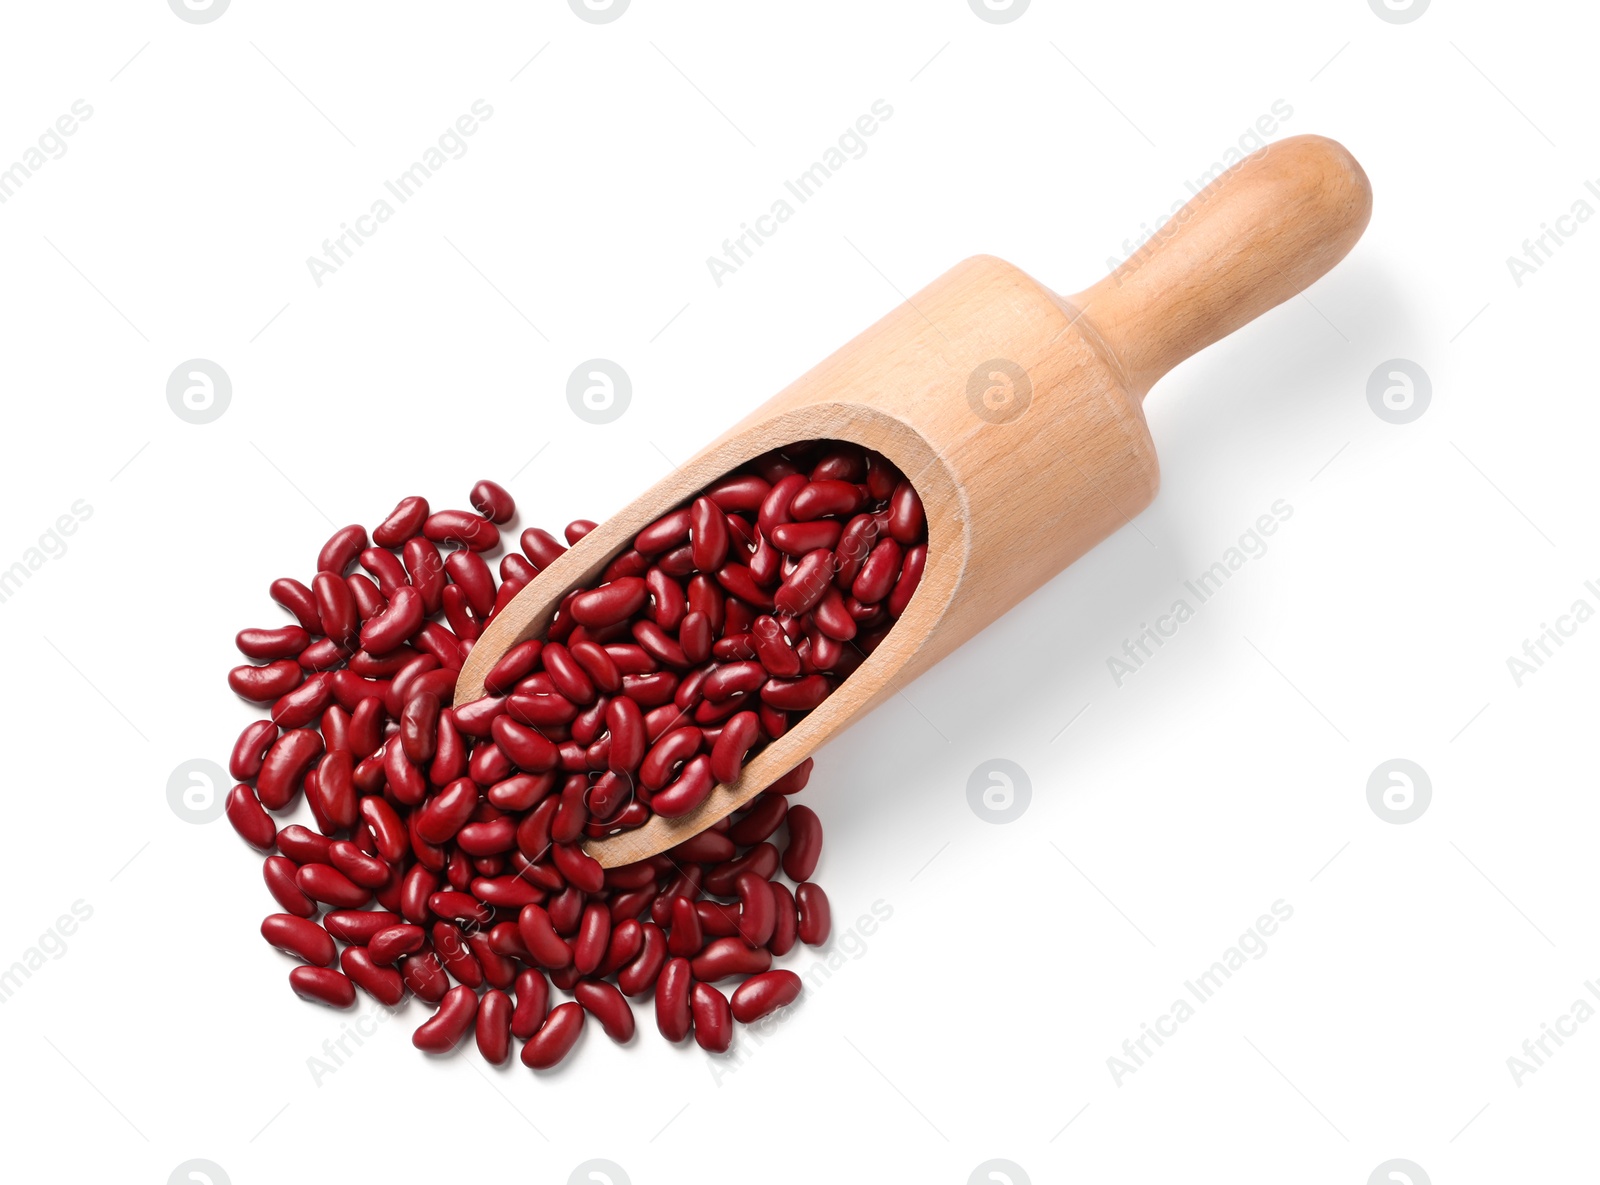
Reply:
x=1257, y=235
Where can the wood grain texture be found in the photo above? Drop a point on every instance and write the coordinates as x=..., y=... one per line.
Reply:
x=1016, y=414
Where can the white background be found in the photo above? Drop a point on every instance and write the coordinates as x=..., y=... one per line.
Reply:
x=1229, y=773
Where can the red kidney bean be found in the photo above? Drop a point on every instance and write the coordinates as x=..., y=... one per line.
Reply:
x=524, y=746
x=765, y=815
x=252, y=823
x=819, y=498
x=549, y=949
x=393, y=627
x=404, y=521
x=686, y=937
x=533, y=1004
x=667, y=601
x=406, y=782
x=795, y=695
x=341, y=549
x=691, y=789
x=763, y=994
x=498, y=970
x=624, y=945
x=608, y=1006
x=366, y=871
x=708, y=534
x=491, y=500
x=610, y=603
x=323, y=985
x=741, y=492
x=304, y=704
x=794, y=781
x=358, y=925
x=785, y=929
x=833, y=618
x=279, y=873
x=597, y=665
x=570, y=679
x=300, y=937
x=555, y=1038
x=641, y=974
x=709, y=847
x=665, y=755
x=771, y=647
x=383, y=984
x=389, y=944
x=816, y=916
x=285, y=766
x=302, y=845
x=757, y=910
x=713, y=1019
x=798, y=539
x=514, y=665
x=468, y=570
x=583, y=872
x=577, y=529
x=761, y=859
x=717, y=920
x=494, y=1025
x=878, y=573
x=906, y=520
x=804, y=848
x=384, y=826
x=386, y=569
x=672, y=999
x=425, y=568
x=452, y=950
x=332, y=795
x=804, y=587
x=541, y=547
x=424, y=975
x=419, y=727
x=336, y=608
x=733, y=678
x=724, y=958
x=298, y=600
x=841, y=464
x=442, y=1032
x=461, y=527
x=265, y=683
x=325, y=883
x=285, y=641
x=741, y=582
x=665, y=533
x=775, y=507
x=910, y=577
x=251, y=748
x=594, y=932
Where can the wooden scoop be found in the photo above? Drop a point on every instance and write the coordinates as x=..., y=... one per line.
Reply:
x=1015, y=413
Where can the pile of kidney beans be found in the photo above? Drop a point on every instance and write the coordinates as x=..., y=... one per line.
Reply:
x=724, y=622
